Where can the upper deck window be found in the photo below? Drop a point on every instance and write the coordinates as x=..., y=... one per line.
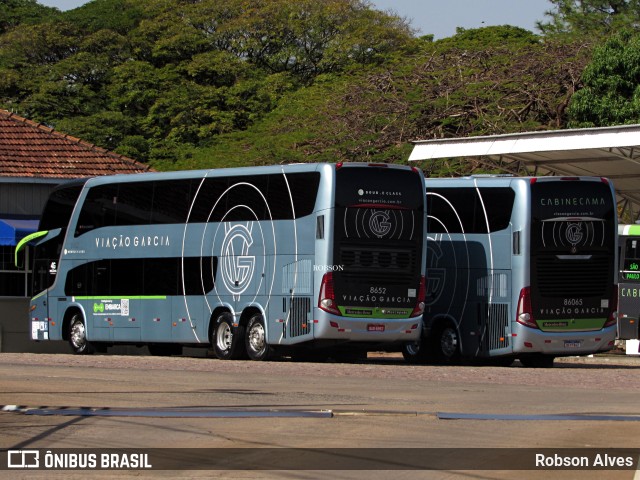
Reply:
x=462, y=210
x=258, y=197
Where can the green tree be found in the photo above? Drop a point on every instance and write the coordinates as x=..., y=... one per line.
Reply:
x=120, y=16
x=503, y=80
x=201, y=83
x=106, y=128
x=593, y=18
x=610, y=94
x=17, y=12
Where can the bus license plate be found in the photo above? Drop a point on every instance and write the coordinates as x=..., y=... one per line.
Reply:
x=375, y=327
x=572, y=343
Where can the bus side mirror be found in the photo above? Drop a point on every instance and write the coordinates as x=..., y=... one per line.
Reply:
x=19, y=258
x=19, y=254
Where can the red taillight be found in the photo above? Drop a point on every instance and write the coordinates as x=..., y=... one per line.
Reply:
x=327, y=298
x=613, y=311
x=422, y=293
x=524, y=315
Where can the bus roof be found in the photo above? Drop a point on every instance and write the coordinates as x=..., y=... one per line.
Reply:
x=236, y=171
x=501, y=180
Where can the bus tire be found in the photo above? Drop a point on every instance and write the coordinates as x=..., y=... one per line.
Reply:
x=78, y=336
x=537, y=360
x=413, y=352
x=227, y=340
x=446, y=344
x=256, y=339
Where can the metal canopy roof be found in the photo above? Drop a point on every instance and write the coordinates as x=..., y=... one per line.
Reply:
x=612, y=152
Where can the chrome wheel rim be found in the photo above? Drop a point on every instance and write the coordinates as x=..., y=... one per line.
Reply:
x=256, y=337
x=78, y=335
x=224, y=336
x=449, y=342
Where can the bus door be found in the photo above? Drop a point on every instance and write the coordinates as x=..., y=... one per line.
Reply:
x=46, y=258
x=629, y=288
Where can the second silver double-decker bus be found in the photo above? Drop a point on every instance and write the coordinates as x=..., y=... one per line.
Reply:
x=629, y=282
x=247, y=260
x=519, y=268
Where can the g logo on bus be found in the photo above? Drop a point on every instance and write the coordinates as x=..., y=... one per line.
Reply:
x=574, y=233
x=237, y=265
x=379, y=223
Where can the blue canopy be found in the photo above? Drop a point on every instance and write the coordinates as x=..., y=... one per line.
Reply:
x=12, y=231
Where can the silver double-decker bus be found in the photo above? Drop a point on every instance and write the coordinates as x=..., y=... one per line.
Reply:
x=519, y=268
x=629, y=282
x=247, y=261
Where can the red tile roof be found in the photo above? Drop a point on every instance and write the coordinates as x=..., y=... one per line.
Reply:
x=29, y=149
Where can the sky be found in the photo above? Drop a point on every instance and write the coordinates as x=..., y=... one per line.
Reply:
x=438, y=17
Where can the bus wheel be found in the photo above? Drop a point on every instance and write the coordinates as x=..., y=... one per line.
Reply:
x=227, y=343
x=447, y=344
x=537, y=361
x=413, y=353
x=256, y=339
x=78, y=336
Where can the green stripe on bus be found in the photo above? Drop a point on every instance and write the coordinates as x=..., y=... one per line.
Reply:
x=571, y=325
x=373, y=312
x=125, y=297
x=633, y=230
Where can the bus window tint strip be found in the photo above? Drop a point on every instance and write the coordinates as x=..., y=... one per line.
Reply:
x=142, y=277
x=241, y=198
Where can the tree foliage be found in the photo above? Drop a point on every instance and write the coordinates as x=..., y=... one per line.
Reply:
x=179, y=71
x=20, y=12
x=442, y=90
x=611, y=85
x=196, y=84
x=590, y=18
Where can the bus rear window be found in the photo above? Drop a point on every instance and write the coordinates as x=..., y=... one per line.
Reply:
x=572, y=217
